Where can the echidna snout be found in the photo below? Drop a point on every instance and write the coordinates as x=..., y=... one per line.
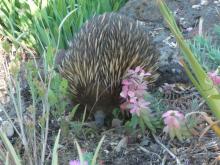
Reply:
x=99, y=116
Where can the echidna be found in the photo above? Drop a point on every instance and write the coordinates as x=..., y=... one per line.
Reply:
x=100, y=55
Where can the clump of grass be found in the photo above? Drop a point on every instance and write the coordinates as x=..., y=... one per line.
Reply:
x=36, y=23
x=206, y=51
x=46, y=103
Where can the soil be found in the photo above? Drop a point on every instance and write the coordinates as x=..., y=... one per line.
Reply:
x=121, y=148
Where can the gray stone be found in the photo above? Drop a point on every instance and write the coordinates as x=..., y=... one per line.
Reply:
x=186, y=17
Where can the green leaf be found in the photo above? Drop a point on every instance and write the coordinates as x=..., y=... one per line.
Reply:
x=50, y=56
x=214, y=97
x=134, y=121
x=6, y=46
x=10, y=148
x=63, y=86
x=179, y=134
x=79, y=152
x=142, y=125
x=172, y=134
x=55, y=153
x=146, y=118
x=52, y=97
x=72, y=114
x=97, y=150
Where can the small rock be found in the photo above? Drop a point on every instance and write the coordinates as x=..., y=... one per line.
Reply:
x=116, y=123
x=106, y=151
x=145, y=142
x=146, y=11
x=154, y=147
x=183, y=23
x=204, y=2
x=189, y=29
x=122, y=144
x=196, y=6
x=170, y=43
x=216, y=2
x=7, y=128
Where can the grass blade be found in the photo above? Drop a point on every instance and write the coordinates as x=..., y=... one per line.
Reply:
x=96, y=151
x=55, y=154
x=10, y=148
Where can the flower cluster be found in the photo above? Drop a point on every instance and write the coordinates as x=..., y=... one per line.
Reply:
x=133, y=91
x=215, y=77
x=174, y=121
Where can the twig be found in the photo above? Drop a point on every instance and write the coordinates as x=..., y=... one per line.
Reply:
x=147, y=151
x=200, y=26
x=216, y=161
x=164, y=159
x=212, y=125
x=165, y=148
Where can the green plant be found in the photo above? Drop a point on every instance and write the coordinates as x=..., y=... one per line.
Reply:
x=36, y=23
x=47, y=90
x=175, y=124
x=16, y=159
x=137, y=101
x=193, y=69
x=217, y=30
x=206, y=52
x=89, y=157
x=55, y=148
x=15, y=20
x=27, y=130
x=77, y=126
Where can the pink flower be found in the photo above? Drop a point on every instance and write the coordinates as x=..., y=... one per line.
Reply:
x=127, y=89
x=138, y=69
x=133, y=91
x=143, y=103
x=77, y=162
x=142, y=86
x=173, y=119
x=131, y=94
x=138, y=73
x=124, y=92
x=174, y=122
x=214, y=77
x=136, y=105
x=134, y=109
